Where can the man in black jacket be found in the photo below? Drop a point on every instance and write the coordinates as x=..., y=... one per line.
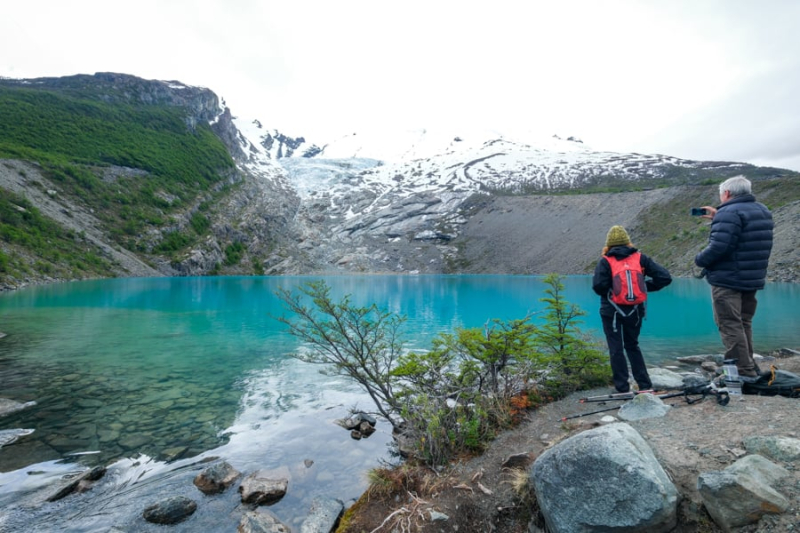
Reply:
x=735, y=264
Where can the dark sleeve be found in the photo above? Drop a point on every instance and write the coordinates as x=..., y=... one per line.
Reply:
x=725, y=230
x=601, y=281
x=656, y=276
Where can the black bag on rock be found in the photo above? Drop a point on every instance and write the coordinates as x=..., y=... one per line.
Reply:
x=773, y=383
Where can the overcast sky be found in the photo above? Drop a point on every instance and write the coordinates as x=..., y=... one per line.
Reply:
x=698, y=79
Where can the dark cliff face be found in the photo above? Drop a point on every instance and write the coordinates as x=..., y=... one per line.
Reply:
x=201, y=103
x=227, y=132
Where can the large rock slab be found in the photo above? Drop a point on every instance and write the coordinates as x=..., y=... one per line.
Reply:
x=263, y=487
x=170, y=511
x=784, y=449
x=664, y=379
x=735, y=498
x=262, y=522
x=216, y=478
x=84, y=480
x=604, y=479
x=7, y=436
x=10, y=406
x=324, y=514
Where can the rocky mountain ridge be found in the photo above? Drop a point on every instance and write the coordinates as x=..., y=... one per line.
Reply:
x=420, y=202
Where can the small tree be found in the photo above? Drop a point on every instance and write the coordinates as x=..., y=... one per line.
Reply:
x=456, y=396
x=359, y=342
x=575, y=361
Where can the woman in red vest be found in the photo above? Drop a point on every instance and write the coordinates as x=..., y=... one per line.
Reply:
x=622, y=278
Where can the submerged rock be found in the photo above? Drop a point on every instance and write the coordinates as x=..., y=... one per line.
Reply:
x=261, y=522
x=80, y=484
x=170, y=511
x=10, y=406
x=324, y=514
x=7, y=436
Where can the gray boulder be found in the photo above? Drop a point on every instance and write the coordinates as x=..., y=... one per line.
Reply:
x=170, y=511
x=604, y=479
x=323, y=515
x=759, y=467
x=664, y=379
x=784, y=449
x=738, y=495
x=262, y=521
x=262, y=487
x=643, y=406
x=701, y=358
x=216, y=478
x=695, y=381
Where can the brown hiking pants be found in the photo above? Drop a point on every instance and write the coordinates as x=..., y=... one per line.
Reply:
x=733, y=313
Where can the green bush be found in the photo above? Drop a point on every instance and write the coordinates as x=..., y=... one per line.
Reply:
x=173, y=241
x=455, y=397
x=200, y=223
x=233, y=253
x=57, y=250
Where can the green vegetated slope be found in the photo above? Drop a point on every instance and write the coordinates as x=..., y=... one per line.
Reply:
x=668, y=232
x=78, y=141
x=58, y=252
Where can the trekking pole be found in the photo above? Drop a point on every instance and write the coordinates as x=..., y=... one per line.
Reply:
x=722, y=399
x=589, y=413
x=606, y=397
x=615, y=396
x=722, y=396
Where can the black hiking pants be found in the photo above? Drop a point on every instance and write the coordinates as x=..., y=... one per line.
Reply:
x=625, y=340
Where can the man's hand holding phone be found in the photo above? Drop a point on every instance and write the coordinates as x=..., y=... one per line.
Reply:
x=704, y=212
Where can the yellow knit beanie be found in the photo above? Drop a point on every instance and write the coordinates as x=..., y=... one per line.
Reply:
x=617, y=236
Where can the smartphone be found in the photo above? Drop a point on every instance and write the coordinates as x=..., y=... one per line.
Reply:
x=699, y=211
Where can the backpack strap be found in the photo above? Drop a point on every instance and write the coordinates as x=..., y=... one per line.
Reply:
x=621, y=312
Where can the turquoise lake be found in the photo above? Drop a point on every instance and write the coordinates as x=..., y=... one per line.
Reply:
x=152, y=374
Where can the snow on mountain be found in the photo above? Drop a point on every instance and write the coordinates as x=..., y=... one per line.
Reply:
x=399, y=201
x=361, y=173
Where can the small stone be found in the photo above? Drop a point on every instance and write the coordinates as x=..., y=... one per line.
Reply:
x=518, y=461
x=366, y=428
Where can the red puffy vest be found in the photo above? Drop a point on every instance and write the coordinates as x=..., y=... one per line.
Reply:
x=627, y=280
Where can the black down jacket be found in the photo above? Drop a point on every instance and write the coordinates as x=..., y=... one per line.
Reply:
x=738, y=248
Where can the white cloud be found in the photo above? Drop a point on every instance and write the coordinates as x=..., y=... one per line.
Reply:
x=706, y=80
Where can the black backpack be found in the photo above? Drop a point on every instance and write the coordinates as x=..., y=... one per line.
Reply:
x=773, y=383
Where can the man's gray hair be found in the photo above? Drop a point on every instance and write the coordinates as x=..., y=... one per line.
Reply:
x=737, y=186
